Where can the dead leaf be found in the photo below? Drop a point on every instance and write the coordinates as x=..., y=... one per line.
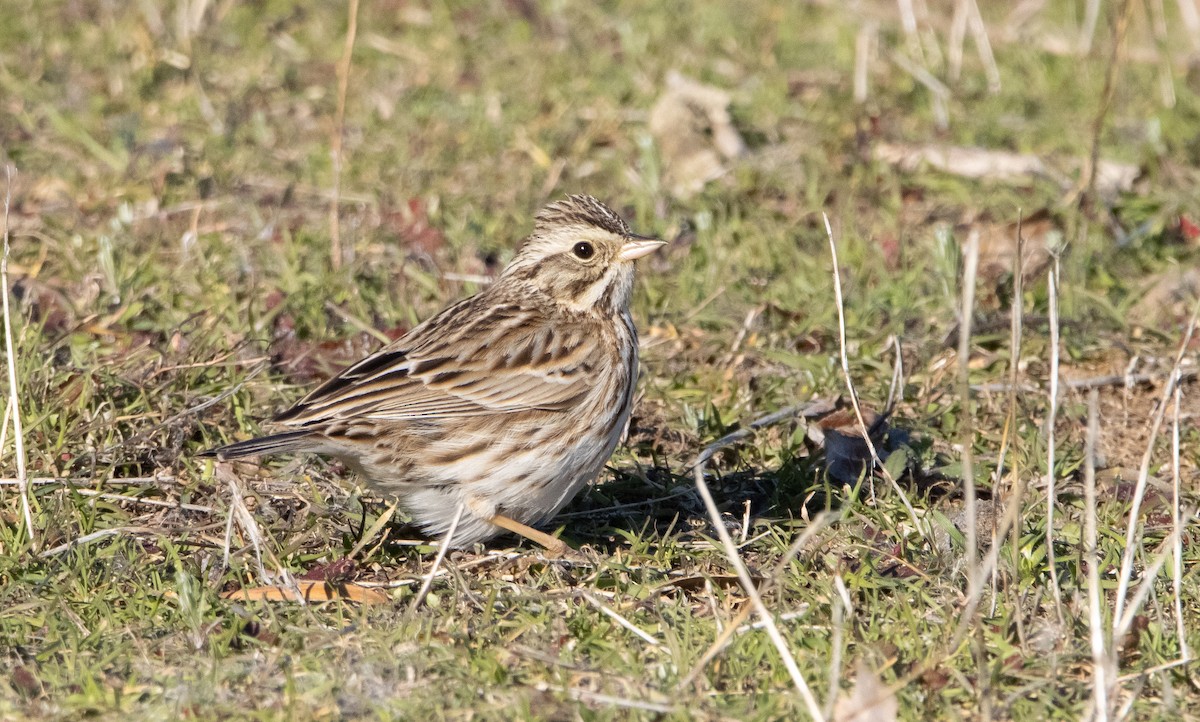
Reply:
x=999, y=165
x=694, y=132
x=313, y=591
x=869, y=701
x=1168, y=298
x=998, y=245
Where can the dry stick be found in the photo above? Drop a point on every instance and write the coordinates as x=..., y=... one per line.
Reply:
x=1144, y=472
x=862, y=426
x=1051, y=493
x=1101, y=662
x=13, y=396
x=437, y=562
x=937, y=89
x=343, y=81
x=966, y=314
x=1175, y=525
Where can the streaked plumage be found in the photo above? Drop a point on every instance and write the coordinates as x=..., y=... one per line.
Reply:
x=509, y=401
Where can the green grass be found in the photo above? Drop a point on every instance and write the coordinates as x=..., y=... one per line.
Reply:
x=170, y=244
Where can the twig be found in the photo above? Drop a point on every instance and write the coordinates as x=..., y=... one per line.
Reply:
x=343, y=82
x=1101, y=662
x=810, y=702
x=1051, y=493
x=1144, y=473
x=437, y=561
x=613, y=615
x=95, y=536
x=92, y=493
x=862, y=426
x=11, y=357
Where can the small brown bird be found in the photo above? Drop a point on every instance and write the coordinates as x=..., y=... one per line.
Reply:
x=506, y=403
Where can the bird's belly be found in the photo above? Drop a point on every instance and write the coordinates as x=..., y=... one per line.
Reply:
x=524, y=468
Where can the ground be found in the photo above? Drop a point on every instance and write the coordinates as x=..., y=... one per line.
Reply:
x=213, y=207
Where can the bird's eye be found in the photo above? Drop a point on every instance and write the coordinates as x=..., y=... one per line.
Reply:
x=583, y=250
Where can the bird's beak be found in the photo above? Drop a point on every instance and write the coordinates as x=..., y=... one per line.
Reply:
x=639, y=246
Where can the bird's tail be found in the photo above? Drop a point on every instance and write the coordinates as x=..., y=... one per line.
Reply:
x=273, y=444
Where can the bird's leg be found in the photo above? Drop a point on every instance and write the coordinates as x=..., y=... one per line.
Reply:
x=555, y=546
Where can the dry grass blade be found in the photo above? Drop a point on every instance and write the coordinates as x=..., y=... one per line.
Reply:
x=1139, y=491
x=1102, y=667
x=437, y=562
x=735, y=625
x=1176, y=526
x=11, y=358
x=1051, y=417
x=967, y=422
x=845, y=361
x=622, y=621
x=335, y=144
x=240, y=516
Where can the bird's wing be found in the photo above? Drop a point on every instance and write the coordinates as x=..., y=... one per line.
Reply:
x=461, y=363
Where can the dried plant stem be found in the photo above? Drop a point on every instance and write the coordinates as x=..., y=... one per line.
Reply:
x=11, y=358
x=816, y=526
x=437, y=561
x=1102, y=668
x=967, y=424
x=810, y=702
x=1016, y=488
x=1052, y=414
x=845, y=361
x=1139, y=492
x=1106, y=95
x=1176, y=525
x=339, y=122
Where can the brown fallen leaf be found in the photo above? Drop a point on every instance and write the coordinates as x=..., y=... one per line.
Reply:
x=998, y=245
x=1000, y=165
x=313, y=591
x=694, y=132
